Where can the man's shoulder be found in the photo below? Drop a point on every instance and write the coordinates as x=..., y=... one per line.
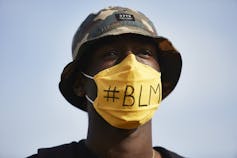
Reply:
x=166, y=153
x=66, y=150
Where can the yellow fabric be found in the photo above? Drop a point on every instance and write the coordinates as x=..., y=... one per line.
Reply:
x=128, y=93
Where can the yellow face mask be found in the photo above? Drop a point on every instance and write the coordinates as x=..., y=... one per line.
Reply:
x=128, y=93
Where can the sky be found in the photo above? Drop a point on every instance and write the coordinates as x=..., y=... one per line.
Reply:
x=198, y=119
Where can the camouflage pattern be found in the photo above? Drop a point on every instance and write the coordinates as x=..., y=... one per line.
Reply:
x=111, y=21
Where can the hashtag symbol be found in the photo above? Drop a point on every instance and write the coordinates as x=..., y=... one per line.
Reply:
x=110, y=94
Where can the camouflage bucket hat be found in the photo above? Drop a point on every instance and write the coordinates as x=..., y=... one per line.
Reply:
x=115, y=21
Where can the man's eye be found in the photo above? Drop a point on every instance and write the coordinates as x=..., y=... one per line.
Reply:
x=145, y=52
x=111, y=54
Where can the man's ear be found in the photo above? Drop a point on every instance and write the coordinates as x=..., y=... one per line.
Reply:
x=166, y=89
x=78, y=86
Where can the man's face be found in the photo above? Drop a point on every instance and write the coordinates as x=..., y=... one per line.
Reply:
x=111, y=51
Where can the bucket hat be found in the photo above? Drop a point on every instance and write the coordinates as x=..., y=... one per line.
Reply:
x=115, y=21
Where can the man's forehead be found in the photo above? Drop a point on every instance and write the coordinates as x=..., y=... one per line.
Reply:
x=124, y=39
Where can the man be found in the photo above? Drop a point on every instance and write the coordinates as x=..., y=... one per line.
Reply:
x=121, y=71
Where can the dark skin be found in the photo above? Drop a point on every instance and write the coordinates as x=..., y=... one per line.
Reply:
x=103, y=139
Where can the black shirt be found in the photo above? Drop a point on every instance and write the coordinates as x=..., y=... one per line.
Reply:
x=80, y=150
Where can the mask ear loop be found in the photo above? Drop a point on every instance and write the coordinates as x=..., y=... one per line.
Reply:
x=87, y=97
x=88, y=76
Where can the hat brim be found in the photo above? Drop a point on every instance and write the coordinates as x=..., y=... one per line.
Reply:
x=170, y=63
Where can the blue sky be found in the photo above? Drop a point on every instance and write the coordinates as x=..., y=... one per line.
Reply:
x=197, y=120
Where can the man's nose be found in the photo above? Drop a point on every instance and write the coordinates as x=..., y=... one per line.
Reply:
x=125, y=54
